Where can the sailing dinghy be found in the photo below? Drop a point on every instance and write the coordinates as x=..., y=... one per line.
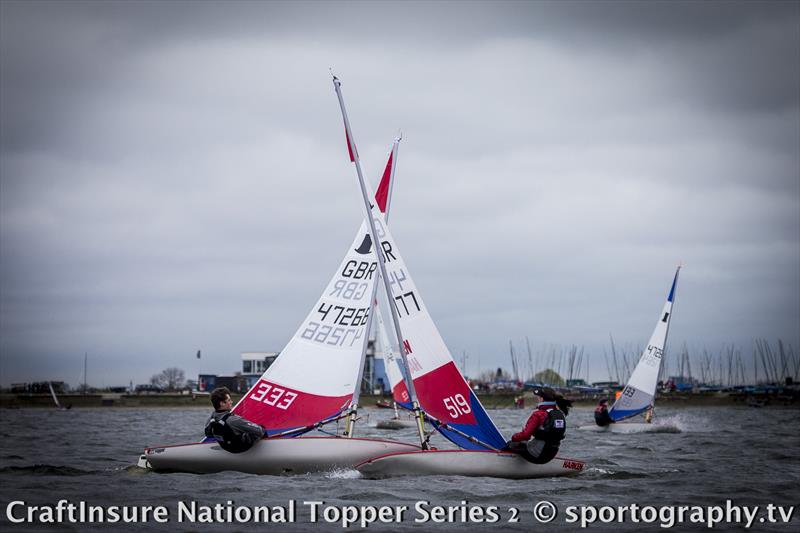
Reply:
x=436, y=388
x=638, y=396
x=314, y=381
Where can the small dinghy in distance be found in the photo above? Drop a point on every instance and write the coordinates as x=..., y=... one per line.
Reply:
x=314, y=381
x=638, y=396
x=633, y=427
x=435, y=383
x=396, y=423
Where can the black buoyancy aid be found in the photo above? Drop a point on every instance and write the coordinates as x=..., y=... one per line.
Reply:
x=553, y=429
x=229, y=440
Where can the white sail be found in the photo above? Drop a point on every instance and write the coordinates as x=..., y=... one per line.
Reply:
x=316, y=374
x=640, y=391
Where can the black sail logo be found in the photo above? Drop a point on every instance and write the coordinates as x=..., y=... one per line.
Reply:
x=365, y=246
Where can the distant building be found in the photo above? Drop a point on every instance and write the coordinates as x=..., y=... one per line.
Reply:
x=256, y=363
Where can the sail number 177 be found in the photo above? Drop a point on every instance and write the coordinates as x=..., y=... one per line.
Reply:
x=457, y=405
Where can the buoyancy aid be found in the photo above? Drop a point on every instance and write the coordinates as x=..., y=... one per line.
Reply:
x=229, y=439
x=553, y=429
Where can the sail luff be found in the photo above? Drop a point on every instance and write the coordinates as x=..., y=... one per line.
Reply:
x=380, y=256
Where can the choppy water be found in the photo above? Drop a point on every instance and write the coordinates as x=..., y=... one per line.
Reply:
x=750, y=456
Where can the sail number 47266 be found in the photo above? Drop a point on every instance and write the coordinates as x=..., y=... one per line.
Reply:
x=280, y=398
x=457, y=405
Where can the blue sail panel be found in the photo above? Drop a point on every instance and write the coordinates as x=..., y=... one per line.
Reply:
x=445, y=397
x=631, y=402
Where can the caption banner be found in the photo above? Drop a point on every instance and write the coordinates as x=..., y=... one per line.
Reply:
x=420, y=512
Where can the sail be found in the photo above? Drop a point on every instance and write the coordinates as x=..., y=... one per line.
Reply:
x=390, y=359
x=316, y=375
x=53, y=394
x=639, y=392
x=441, y=389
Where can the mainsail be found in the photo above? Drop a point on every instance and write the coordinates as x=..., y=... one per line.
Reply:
x=317, y=374
x=436, y=383
x=639, y=392
x=441, y=390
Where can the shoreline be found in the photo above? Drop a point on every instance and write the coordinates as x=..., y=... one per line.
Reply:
x=490, y=401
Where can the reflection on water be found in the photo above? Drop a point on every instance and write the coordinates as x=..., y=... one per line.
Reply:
x=751, y=456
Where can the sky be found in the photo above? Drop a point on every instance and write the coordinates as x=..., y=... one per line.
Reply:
x=174, y=176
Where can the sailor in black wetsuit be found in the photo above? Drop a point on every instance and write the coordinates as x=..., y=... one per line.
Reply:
x=601, y=416
x=234, y=433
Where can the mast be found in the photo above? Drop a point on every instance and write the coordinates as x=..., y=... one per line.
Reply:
x=351, y=418
x=382, y=266
x=85, y=358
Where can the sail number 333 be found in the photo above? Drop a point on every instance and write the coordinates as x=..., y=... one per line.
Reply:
x=280, y=398
x=457, y=405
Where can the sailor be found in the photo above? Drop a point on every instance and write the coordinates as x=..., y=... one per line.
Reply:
x=234, y=433
x=601, y=416
x=547, y=425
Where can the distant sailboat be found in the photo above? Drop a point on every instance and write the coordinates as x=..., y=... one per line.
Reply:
x=55, y=398
x=638, y=396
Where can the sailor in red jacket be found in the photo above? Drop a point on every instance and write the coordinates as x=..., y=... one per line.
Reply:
x=547, y=426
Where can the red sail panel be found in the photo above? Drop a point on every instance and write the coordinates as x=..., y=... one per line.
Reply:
x=400, y=393
x=277, y=408
x=349, y=147
x=382, y=194
x=445, y=395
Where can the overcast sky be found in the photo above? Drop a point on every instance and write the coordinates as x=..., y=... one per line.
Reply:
x=174, y=176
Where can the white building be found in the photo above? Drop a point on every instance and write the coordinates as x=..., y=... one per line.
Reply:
x=256, y=363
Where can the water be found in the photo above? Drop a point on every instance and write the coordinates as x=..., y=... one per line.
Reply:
x=750, y=456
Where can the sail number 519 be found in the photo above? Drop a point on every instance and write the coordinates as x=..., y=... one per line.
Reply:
x=457, y=405
x=280, y=398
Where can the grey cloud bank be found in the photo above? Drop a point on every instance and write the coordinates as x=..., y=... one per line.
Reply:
x=173, y=176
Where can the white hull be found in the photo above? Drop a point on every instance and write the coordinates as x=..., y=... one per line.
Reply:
x=632, y=427
x=395, y=423
x=271, y=456
x=465, y=463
